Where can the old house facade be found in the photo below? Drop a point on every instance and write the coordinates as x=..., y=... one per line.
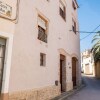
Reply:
x=39, y=49
x=87, y=62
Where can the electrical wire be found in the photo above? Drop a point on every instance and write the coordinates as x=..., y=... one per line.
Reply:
x=86, y=32
x=90, y=33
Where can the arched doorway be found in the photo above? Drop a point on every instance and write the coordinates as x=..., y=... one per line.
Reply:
x=74, y=70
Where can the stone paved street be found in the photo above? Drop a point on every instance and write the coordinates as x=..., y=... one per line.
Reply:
x=90, y=92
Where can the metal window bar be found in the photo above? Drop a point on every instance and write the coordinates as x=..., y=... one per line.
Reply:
x=2, y=56
x=62, y=13
x=42, y=34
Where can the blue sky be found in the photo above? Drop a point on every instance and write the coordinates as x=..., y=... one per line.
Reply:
x=89, y=19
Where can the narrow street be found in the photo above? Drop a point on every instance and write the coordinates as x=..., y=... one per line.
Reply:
x=90, y=92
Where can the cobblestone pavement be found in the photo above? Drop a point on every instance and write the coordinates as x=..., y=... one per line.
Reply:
x=90, y=92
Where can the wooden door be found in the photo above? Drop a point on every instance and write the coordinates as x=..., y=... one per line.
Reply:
x=74, y=71
x=62, y=73
x=87, y=69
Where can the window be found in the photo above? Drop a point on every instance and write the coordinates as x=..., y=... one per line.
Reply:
x=73, y=5
x=62, y=10
x=42, y=59
x=42, y=29
x=74, y=26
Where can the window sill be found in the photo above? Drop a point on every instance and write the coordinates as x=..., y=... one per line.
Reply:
x=42, y=66
x=43, y=43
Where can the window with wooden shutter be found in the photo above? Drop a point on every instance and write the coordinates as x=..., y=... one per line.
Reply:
x=73, y=5
x=74, y=26
x=62, y=10
x=42, y=29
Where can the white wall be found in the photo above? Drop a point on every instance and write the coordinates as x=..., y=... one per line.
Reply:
x=26, y=72
x=87, y=60
x=7, y=29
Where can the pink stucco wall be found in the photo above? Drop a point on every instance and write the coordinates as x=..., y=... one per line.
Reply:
x=26, y=72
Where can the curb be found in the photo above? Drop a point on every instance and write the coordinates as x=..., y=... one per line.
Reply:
x=67, y=94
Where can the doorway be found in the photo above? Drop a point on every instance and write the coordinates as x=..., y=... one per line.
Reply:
x=87, y=69
x=2, y=57
x=63, y=73
x=74, y=66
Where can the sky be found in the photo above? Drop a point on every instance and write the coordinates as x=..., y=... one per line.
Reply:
x=89, y=19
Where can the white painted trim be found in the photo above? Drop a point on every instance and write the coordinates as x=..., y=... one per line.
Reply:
x=7, y=62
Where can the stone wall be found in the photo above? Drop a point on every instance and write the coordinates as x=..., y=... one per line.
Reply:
x=39, y=94
x=69, y=86
x=97, y=69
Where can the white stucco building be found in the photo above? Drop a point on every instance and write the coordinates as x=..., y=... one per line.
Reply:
x=87, y=62
x=40, y=56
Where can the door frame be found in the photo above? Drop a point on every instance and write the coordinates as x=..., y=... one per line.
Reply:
x=62, y=73
x=7, y=61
